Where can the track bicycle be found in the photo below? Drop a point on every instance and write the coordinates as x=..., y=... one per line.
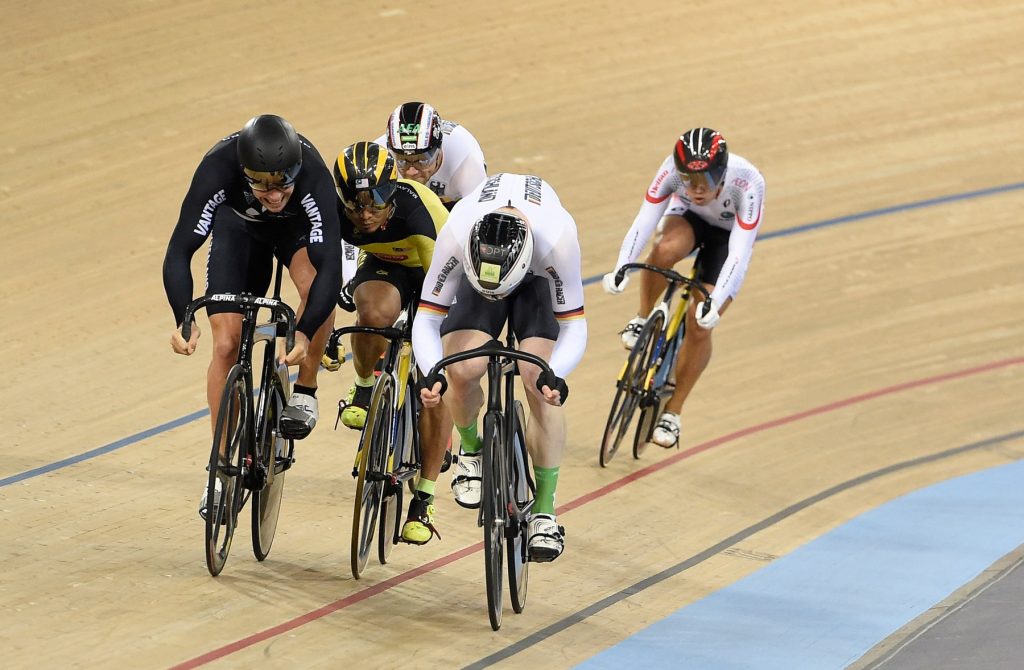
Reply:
x=389, y=448
x=507, y=489
x=646, y=380
x=249, y=456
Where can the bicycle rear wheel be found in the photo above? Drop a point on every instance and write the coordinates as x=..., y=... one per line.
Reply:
x=629, y=388
x=274, y=459
x=372, y=468
x=522, y=489
x=492, y=499
x=227, y=458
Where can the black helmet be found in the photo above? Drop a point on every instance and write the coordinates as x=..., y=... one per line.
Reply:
x=365, y=167
x=269, y=151
x=414, y=128
x=498, y=254
x=702, y=152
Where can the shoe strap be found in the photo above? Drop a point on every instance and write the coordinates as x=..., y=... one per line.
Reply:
x=666, y=426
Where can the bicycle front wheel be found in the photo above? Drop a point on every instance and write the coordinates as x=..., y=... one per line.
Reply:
x=494, y=489
x=370, y=482
x=629, y=389
x=224, y=488
x=403, y=455
x=274, y=458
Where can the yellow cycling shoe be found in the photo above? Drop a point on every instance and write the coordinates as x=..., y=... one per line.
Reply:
x=353, y=414
x=419, y=525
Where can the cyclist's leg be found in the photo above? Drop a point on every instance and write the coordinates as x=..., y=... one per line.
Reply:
x=676, y=241
x=236, y=263
x=378, y=297
x=533, y=321
x=696, y=350
x=435, y=423
x=227, y=331
x=302, y=412
x=302, y=272
x=471, y=322
x=435, y=429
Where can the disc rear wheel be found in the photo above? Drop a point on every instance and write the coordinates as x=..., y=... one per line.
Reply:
x=522, y=489
x=275, y=458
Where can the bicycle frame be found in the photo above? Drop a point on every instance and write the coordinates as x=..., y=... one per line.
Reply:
x=253, y=454
x=642, y=380
x=389, y=451
x=398, y=361
x=507, y=489
x=666, y=348
x=253, y=333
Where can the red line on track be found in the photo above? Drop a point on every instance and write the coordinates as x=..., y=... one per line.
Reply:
x=387, y=584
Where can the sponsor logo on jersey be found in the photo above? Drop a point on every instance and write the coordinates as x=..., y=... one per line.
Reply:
x=559, y=285
x=751, y=210
x=316, y=233
x=437, y=187
x=442, y=277
x=490, y=189
x=653, y=190
x=532, y=190
x=206, y=218
x=392, y=258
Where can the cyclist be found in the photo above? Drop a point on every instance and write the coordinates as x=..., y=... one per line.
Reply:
x=509, y=252
x=393, y=222
x=263, y=191
x=440, y=154
x=706, y=200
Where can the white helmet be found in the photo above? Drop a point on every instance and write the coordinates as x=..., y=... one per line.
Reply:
x=498, y=254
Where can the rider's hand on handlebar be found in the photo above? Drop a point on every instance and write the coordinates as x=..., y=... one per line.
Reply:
x=610, y=287
x=298, y=352
x=431, y=397
x=552, y=388
x=345, y=299
x=707, y=317
x=180, y=346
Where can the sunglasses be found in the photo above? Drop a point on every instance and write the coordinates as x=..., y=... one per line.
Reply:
x=710, y=179
x=417, y=161
x=373, y=200
x=266, y=181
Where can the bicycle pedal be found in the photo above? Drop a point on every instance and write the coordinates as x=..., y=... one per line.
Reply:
x=449, y=459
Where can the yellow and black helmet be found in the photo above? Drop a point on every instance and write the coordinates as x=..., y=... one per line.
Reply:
x=365, y=167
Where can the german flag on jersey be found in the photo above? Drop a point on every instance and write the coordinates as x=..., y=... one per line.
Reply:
x=570, y=315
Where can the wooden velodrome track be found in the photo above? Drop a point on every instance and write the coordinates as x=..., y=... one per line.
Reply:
x=853, y=346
